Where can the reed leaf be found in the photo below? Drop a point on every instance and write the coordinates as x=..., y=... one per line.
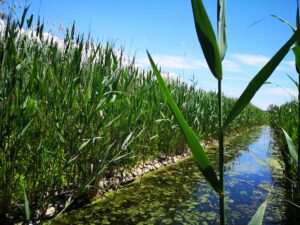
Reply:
x=25, y=129
x=207, y=38
x=294, y=81
x=257, y=219
x=296, y=51
x=260, y=79
x=65, y=108
x=26, y=204
x=297, y=22
x=197, y=150
x=297, y=16
x=21, y=23
x=284, y=21
x=222, y=40
x=292, y=148
x=84, y=144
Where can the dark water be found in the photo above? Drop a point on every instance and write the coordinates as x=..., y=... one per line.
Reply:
x=178, y=194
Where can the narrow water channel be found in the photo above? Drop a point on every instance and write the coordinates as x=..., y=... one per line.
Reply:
x=178, y=194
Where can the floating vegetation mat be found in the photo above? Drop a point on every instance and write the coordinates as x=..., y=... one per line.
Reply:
x=178, y=194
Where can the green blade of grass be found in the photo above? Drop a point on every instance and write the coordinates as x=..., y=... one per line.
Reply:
x=21, y=23
x=222, y=40
x=294, y=81
x=297, y=16
x=292, y=148
x=284, y=21
x=207, y=38
x=257, y=219
x=296, y=51
x=25, y=129
x=197, y=150
x=27, y=209
x=259, y=80
x=84, y=144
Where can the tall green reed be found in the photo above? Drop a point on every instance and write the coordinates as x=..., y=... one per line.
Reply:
x=276, y=112
x=214, y=53
x=284, y=117
x=209, y=44
x=296, y=51
x=72, y=112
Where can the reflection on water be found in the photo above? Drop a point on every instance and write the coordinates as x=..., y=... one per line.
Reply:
x=178, y=194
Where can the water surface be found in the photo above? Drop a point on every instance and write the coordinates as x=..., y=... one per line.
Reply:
x=178, y=194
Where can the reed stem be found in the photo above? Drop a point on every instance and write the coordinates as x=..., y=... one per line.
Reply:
x=221, y=153
x=298, y=133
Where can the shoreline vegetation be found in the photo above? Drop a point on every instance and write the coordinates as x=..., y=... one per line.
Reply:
x=284, y=118
x=73, y=113
x=123, y=176
x=148, y=199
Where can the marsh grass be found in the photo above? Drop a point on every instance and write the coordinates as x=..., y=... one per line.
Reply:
x=284, y=117
x=74, y=113
x=214, y=50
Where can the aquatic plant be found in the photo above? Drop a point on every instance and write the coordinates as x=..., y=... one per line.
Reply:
x=214, y=53
x=73, y=111
x=204, y=29
x=296, y=51
x=150, y=199
x=283, y=118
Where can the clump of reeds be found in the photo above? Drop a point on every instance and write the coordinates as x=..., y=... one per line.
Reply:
x=71, y=111
x=214, y=50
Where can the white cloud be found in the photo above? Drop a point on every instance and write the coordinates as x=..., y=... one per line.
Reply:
x=2, y=27
x=274, y=95
x=180, y=62
x=287, y=66
x=32, y=35
x=232, y=66
x=236, y=78
x=281, y=91
x=255, y=60
x=48, y=36
x=173, y=62
x=265, y=96
x=290, y=63
x=233, y=92
x=171, y=77
x=237, y=63
x=251, y=60
x=262, y=103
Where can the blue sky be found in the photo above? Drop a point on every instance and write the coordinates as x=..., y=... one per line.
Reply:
x=166, y=29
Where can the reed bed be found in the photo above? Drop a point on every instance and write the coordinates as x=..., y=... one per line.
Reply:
x=285, y=117
x=70, y=115
x=284, y=120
